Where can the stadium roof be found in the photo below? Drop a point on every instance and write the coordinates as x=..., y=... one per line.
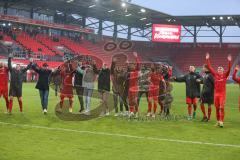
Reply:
x=192, y=8
x=115, y=11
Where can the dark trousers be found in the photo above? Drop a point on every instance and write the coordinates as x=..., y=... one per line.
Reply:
x=44, y=98
x=56, y=88
x=79, y=91
x=117, y=98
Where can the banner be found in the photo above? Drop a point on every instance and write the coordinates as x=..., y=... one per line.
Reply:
x=166, y=33
x=45, y=24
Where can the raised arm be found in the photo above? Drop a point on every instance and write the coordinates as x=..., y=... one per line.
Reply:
x=235, y=78
x=35, y=68
x=229, y=65
x=26, y=68
x=209, y=64
x=180, y=79
x=137, y=61
x=80, y=70
x=10, y=63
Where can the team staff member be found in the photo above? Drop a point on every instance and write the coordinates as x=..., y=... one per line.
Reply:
x=43, y=84
x=89, y=75
x=192, y=90
x=143, y=84
x=17, y=75
x=56, y=79
x=165, y=90
x=219, y=88
x=118, y=80
x=78, y=78
x=207, y=94
x=104, y=88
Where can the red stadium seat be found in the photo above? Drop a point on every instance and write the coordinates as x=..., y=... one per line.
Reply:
x=30, y=43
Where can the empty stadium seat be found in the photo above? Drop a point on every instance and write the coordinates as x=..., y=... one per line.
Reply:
x=30, y=43
x=48, y=41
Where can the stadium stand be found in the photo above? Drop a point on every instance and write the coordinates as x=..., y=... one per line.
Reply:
x=184, y=55
x=75, y=47
x=196, y=57
x=49, y=43
x=181, y=55
x=31, y=44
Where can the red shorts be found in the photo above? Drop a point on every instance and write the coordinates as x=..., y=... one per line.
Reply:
x=62, y=96
x=67, y=90
x=132, y=95
x=4, y=92
x=219, y=100
x=191, y=100
x=153, y=92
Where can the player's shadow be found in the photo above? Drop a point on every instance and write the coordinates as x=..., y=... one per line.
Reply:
x=95, y=113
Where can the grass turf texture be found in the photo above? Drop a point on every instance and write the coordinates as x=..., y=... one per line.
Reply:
x=27, y=143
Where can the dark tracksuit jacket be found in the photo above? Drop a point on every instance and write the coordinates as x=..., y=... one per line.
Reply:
x=78, y=79
x=207, y=94
x=104, y=80
x=192, y=86
x=43, y=77
x=16, y=79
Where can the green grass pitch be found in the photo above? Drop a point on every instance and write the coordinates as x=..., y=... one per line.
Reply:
x=34, y=136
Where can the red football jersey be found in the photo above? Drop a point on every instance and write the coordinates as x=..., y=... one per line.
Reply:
x=220, y=79
x=4, y=78
x=133, y=79
x=155, y=78
x=67, y=86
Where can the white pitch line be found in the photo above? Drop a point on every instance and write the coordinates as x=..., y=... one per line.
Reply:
x=123, y=135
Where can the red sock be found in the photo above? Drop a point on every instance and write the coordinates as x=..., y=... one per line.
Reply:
x=209, y=112
x=155, y=107
x=203, y=110
x=20, y=105
x=217, y=113
x=7, y=102
x=149, y=107
x=61, y=101
x=189, y=109
x=10, y=105
x=221, y=114
x=131, y=108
